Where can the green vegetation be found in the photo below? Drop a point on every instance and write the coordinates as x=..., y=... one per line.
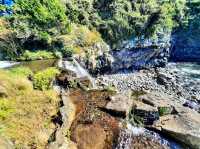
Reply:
x=192, y=18
x=21, y=71
x=117, y=20
x=164, y=111
x=43, y=79
x=135, y=120
x=40, y=16
x=5, y=108
x=25, y=111
x=38, y=55
x=73, y=26
x=32, y=26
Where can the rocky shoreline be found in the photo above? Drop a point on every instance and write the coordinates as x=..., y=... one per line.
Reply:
x=169, y=101
x=148, y=98
x=163, y=80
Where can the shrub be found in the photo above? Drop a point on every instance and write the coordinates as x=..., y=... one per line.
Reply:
x=118, y=20
x=164, y=111
x=42, y=14
x=67, y=52
x=43, y=79
x=5, y=108
x=38, y=55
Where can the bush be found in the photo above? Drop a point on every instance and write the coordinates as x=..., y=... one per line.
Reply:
x=43, y=79
x=43, y=14
x=38, y=55
x=164, y=111
x=67, y=52
x=118, y=20
x=5, y=108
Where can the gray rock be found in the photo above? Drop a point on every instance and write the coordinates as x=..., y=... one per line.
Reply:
x=183, y=127
x=120, y=104
x=147, y=113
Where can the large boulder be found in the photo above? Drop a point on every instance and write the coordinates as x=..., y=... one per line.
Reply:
x=183, y=127
x=162, y=102
x=119, y=105
x=90, y=136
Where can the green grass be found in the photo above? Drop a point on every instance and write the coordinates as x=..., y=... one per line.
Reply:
x=164, y=111
x=24, y=113
x=21, y=71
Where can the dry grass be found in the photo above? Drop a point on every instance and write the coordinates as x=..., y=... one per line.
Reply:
x=25, y=115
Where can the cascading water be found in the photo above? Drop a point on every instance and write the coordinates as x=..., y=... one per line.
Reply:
x=6, y=64
x=127, y=135
x=75, y=67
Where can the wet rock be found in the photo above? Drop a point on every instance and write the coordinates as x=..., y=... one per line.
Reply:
x=137, y=58
x=140, y=138
x=67, y=115
x=164, y=103
x=183, y=127
x=192, y=104
x=147, y=113
x=89, y=136
x=120, y=105
x=187, y=52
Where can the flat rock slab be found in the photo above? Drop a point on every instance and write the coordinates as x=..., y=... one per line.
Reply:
x=89, y=136
x=156, y=99
x=184, y=127
x=120, y=104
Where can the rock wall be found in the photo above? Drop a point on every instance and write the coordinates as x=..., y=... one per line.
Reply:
x=140, y=58
x=186, y=46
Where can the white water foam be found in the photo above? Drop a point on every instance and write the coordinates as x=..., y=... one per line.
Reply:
x=7, y=64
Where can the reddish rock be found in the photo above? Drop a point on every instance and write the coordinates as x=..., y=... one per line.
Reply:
x=89, y=136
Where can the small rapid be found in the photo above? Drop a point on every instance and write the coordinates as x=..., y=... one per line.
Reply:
x=75, y=67
x=188, y=70
x=126, y=137
x=7, y=64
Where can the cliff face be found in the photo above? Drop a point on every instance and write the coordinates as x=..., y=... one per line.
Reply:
x=186, y=46
x=186, y=40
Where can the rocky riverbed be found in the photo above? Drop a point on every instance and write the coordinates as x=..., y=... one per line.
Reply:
x=177, y=80
x=168, y=99
x=144, y=110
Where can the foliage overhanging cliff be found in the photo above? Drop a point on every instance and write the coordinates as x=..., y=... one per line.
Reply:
x=40, y=23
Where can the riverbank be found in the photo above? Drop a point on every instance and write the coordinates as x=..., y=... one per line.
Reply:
x=148, y=108
x=25, y=113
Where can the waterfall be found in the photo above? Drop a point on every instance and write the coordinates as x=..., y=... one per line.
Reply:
x=75, y=67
